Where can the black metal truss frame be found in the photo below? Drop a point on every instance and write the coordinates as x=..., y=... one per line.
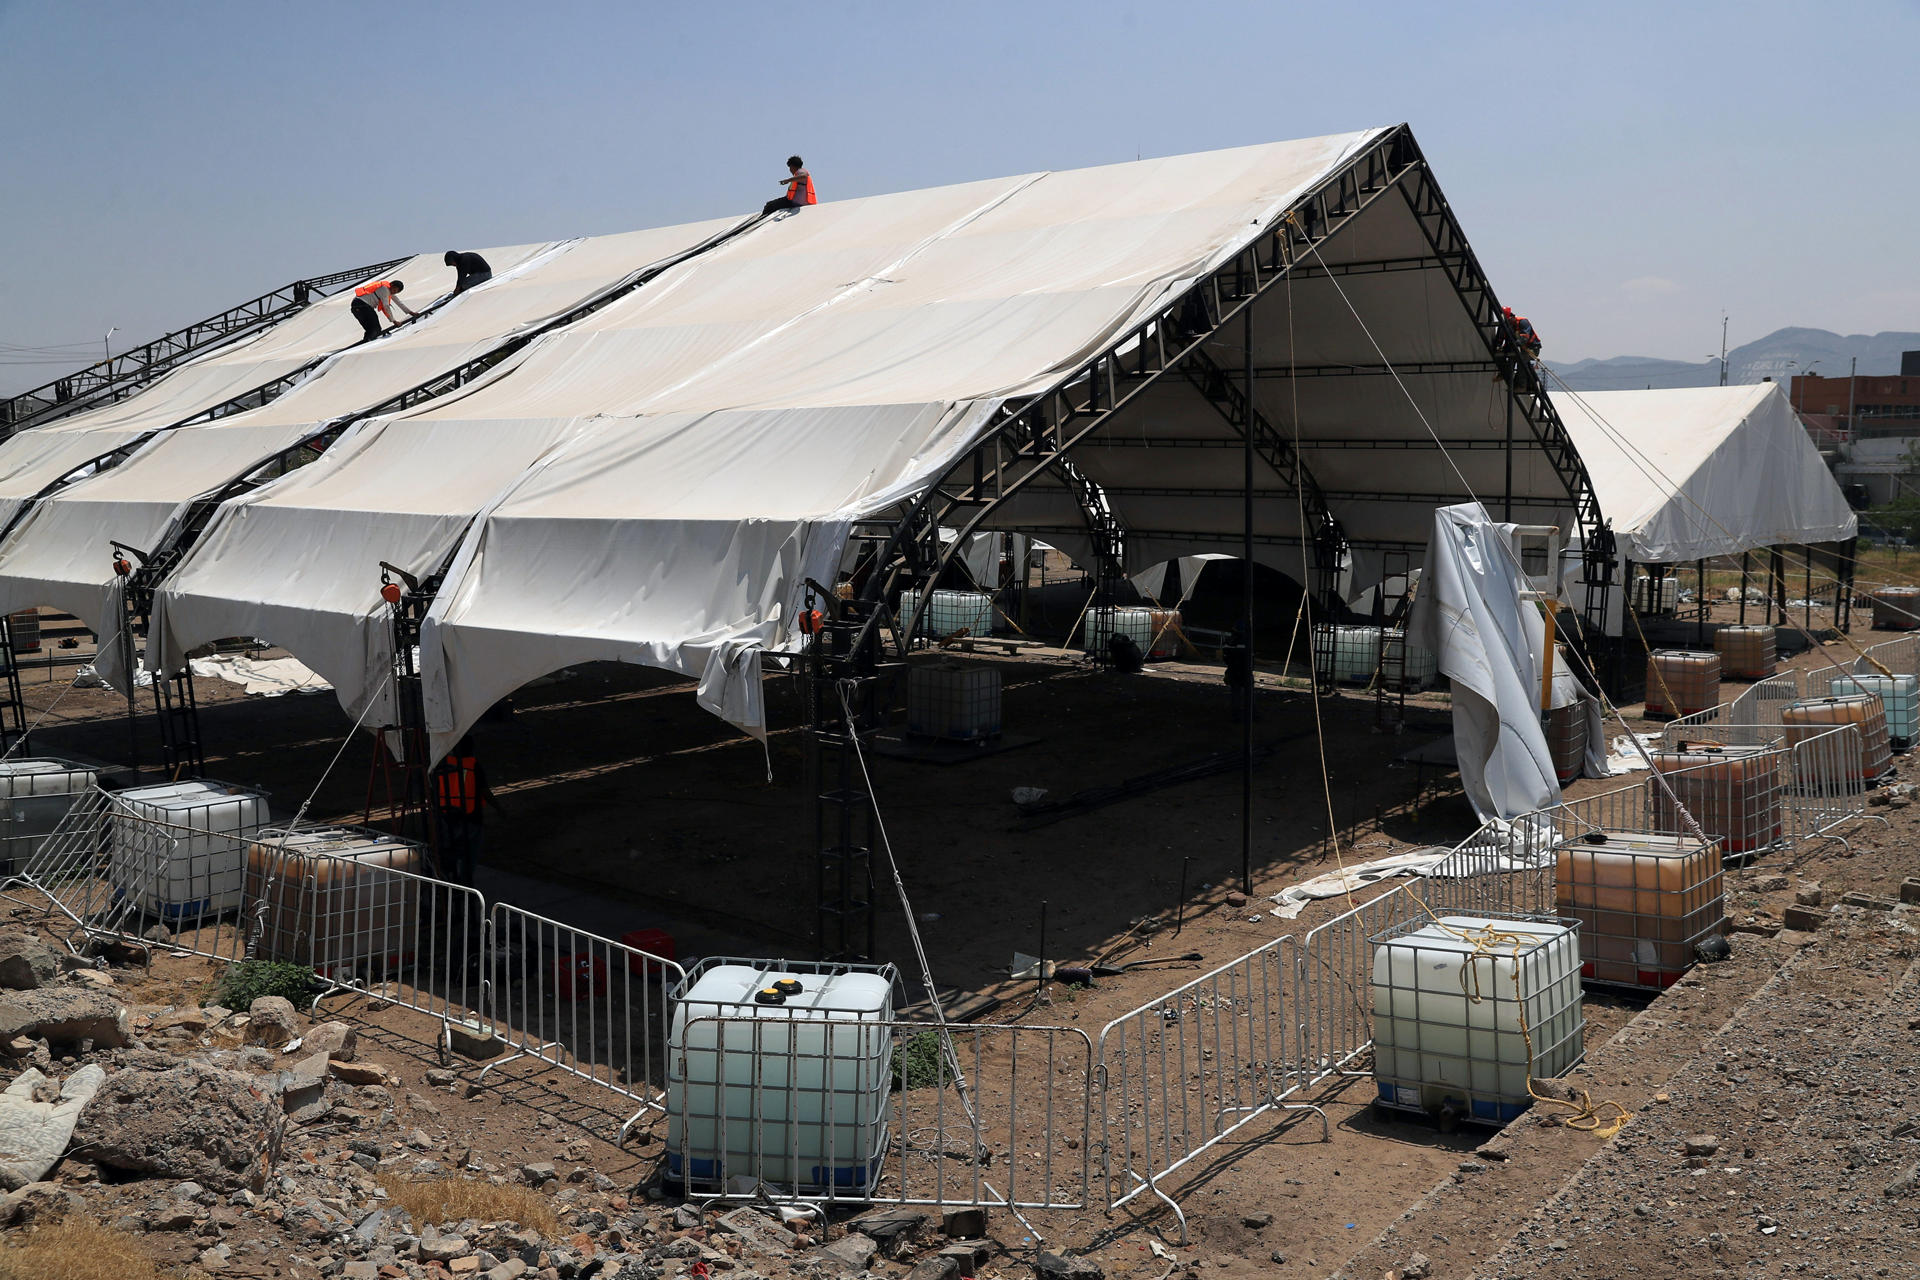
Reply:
x=1035, y=437
x=1229, y=398
x=116, y=377
x=1416, y=368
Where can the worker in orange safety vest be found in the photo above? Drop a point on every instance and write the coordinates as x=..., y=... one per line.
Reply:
x=460, y=792
x=384, y=295
x=799, y=185
x=1523, y=330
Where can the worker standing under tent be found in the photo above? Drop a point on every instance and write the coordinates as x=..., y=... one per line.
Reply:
x=381, y=294
x=799, y=185
x=470, y=269
x=460, y=792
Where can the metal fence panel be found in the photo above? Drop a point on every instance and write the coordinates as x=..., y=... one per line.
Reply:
x=1188, y=1069
x=1333, y=969
x=880, y=1112
x=583, y=1003
x=1497, y=869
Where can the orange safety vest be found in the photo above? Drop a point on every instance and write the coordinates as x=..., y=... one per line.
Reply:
x=800, y=188
x=366, y=289
x=460, y=784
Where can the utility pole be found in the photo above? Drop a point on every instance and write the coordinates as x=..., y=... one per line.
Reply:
x=1853, y=372
x=1723, y=348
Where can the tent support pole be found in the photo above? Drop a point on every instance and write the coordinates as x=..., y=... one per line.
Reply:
x=1843, y=589
x=1700, y=605
x=1806, y=561
x=1744, y=558
x=1246, y=621
x=1507, y=505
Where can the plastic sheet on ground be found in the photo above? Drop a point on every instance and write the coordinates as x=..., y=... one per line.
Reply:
x=1295, y=898
x=261, y=677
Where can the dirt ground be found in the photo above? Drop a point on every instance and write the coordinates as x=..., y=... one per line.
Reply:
x=614, y=782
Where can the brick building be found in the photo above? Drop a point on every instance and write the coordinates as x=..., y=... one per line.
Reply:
x=1865, y=406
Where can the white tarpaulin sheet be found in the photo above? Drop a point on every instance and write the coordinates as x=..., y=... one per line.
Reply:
x=32, y=460
x=1470, y=613
x=1704, y=471
x=712, y=434
x=58, y=556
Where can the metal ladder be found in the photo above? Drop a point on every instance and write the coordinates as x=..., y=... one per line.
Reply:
x=174, y=704
x=1390, y=615
x=13, y=707
x=841, y=658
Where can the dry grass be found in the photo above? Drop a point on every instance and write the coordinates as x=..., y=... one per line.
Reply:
x=439, y=1200
x=77, y=1249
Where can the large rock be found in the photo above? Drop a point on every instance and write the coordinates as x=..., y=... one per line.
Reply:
x=36, y=1120
x=190, y=1121
x=65, y=1015
x=25, y=961
x=335, y=1039
x=271, y=1021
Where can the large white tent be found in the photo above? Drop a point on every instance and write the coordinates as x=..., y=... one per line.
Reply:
x=1695, y=472
x=657, y=481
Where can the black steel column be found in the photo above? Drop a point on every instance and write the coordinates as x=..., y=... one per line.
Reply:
x=1246, y=621
x=843, y=703
x=1507, y=508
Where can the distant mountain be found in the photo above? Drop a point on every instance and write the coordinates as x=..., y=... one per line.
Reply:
x=1779, y=355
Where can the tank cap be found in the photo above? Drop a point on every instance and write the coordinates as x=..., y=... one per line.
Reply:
x=788, y=986
x=1595, y=837
x=769, y=995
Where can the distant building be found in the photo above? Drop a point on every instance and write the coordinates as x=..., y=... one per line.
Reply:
x=1861, y=408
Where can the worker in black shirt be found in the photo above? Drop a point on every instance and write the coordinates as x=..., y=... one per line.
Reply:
x=472, y=269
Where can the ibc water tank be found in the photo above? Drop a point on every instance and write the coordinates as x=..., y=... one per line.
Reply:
x=1455, y=1002
x=781, y=1073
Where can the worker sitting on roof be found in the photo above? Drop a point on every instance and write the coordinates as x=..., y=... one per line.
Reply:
x=799, y=185
x=1523, y=331
x=381, y=294
x=470, y=269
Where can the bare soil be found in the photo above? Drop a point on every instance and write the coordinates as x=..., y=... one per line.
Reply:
x=614, y=783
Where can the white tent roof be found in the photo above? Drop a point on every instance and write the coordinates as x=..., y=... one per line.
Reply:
x=1704, y=471
x=655, y=482
x=39, y=456
x=58, y=554
x=663, y=475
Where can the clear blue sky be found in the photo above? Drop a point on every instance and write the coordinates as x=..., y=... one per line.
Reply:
x=1625, y=170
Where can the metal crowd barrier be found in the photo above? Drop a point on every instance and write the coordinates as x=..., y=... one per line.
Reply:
x=1757, y=708
x=1901, y=657
x=1188, y=1069
x=1333, y=974
x=804, y=1107
x=587, y=1005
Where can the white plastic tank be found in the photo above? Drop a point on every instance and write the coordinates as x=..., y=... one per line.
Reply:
x=1448, y=1017
x=179, y=848
x=338, y=899
x=953, y=700
x=1899, y=694
x=1106, y=622
x=949, y=612
x=34, y=796
x=781, y=1073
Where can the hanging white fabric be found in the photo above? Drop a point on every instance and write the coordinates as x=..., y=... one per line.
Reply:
x=1488, y=637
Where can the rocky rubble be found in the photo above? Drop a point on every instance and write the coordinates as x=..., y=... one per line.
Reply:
x=263, y=1144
